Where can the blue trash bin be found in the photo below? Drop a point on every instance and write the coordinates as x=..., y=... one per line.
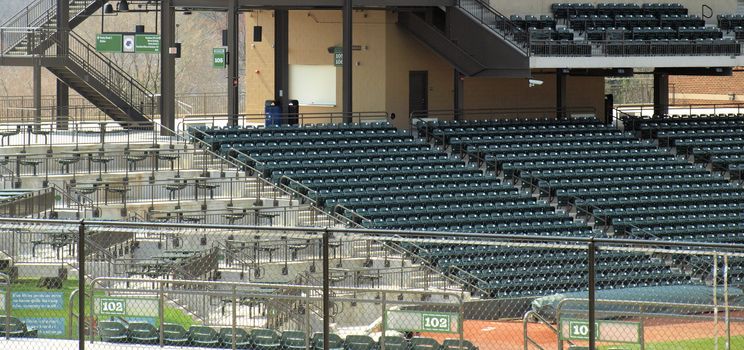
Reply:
x=273, y=113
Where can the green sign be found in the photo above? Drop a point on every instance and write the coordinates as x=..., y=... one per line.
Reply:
x=218, y=57
x=108, y=42
x=338, y=56
x=110, y=306
x=607, y=331
x=436, y=322
x=422, y=321
x=147, y=43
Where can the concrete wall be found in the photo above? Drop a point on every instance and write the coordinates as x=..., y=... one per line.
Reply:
x=381, y=68
x=538, y=7
x=515, y=93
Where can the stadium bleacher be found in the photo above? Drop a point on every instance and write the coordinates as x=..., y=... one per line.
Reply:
x=388, y=179
x=627, y=29
x=607, y=173
x=121, y=331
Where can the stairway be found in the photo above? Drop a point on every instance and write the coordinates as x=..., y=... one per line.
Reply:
x=473, y=37
x=89, y=73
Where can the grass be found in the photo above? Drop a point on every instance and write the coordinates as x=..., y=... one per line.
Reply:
x=172, y=315
x=737, y=342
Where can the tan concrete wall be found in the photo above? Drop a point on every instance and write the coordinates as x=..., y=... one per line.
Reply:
x=405, y=53
x=481, y=93
x=538, y=7
x=382, y=66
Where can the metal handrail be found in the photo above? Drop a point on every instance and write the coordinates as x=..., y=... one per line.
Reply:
x=510, y=31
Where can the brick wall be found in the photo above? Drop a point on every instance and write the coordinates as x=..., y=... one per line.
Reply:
x=710, y=89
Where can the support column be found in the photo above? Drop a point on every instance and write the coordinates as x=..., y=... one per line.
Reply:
x=37, y=92
x=348, y=61
x=281, y=58
x=63, y=91
x=167, y=66
x=63, y=105
x=661, y=93
x=459, y=97
x=560, y=94
x=233, y=54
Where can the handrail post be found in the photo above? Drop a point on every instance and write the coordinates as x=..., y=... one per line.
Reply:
x=81, y=288
x=591, y=261
x=326, y=289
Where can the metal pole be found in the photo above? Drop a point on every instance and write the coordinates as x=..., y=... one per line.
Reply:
x=715, y=301
x=8, y=305
x=167, y=67
x=233, y=62
x=326, y=290
x=161, y=314
x=591, y=260
x=348, y=61
x=234, y=310
x=81, y=287
x=384, y=320
x=726, y=302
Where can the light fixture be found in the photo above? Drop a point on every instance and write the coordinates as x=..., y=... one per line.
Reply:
x=123, y=6
x=108, y=9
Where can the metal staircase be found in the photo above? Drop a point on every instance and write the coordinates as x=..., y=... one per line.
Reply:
x=473, y=37
x=32, y=35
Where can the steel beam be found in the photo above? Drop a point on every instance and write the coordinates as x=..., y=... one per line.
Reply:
x=348, y=106
x=304, y=4
x=281, y=58
x=459, y=94
x=560, y=93
x=167, y=65
x=63, y=91
x=661, y=93
x=37, y=91
x=233, y=53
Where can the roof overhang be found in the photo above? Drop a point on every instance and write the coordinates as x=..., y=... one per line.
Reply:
x=304, y=4
x=603, y=62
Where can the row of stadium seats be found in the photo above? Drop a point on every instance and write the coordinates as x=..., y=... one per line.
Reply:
x=564, y=10
x=584, y=23
x=428, y=190
x=716, y=139
x=261, y=338
x=601, y=33
x=597, y=172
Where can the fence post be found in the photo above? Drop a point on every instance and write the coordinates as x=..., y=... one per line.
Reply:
x=234, y=321
x=161, y=314
x=592, y=286
x=715, y=301
x=726, y=302
x=308, y=327
x=384, y=320
x=81, y=288
x=8, y=306
x=326, y=289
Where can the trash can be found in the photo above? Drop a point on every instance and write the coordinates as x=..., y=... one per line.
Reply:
x=273, y=113
x=293, y=109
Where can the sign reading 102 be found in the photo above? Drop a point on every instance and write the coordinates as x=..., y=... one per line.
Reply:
x=113, y=306
x=436, y=322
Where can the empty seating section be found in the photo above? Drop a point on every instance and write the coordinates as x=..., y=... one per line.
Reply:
x=260, y=338
x=715, y=139
x=394, y=180
x=622, y=29
x=629, y=185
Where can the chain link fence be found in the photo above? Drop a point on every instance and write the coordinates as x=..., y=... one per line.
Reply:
x=129, y=285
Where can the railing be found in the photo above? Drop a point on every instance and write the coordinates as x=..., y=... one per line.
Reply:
x=34, y=15
x=639, y=111
x=107, y=72
x=498, y=22
x=621, y=48
x=243, y=120
x=417, y=118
